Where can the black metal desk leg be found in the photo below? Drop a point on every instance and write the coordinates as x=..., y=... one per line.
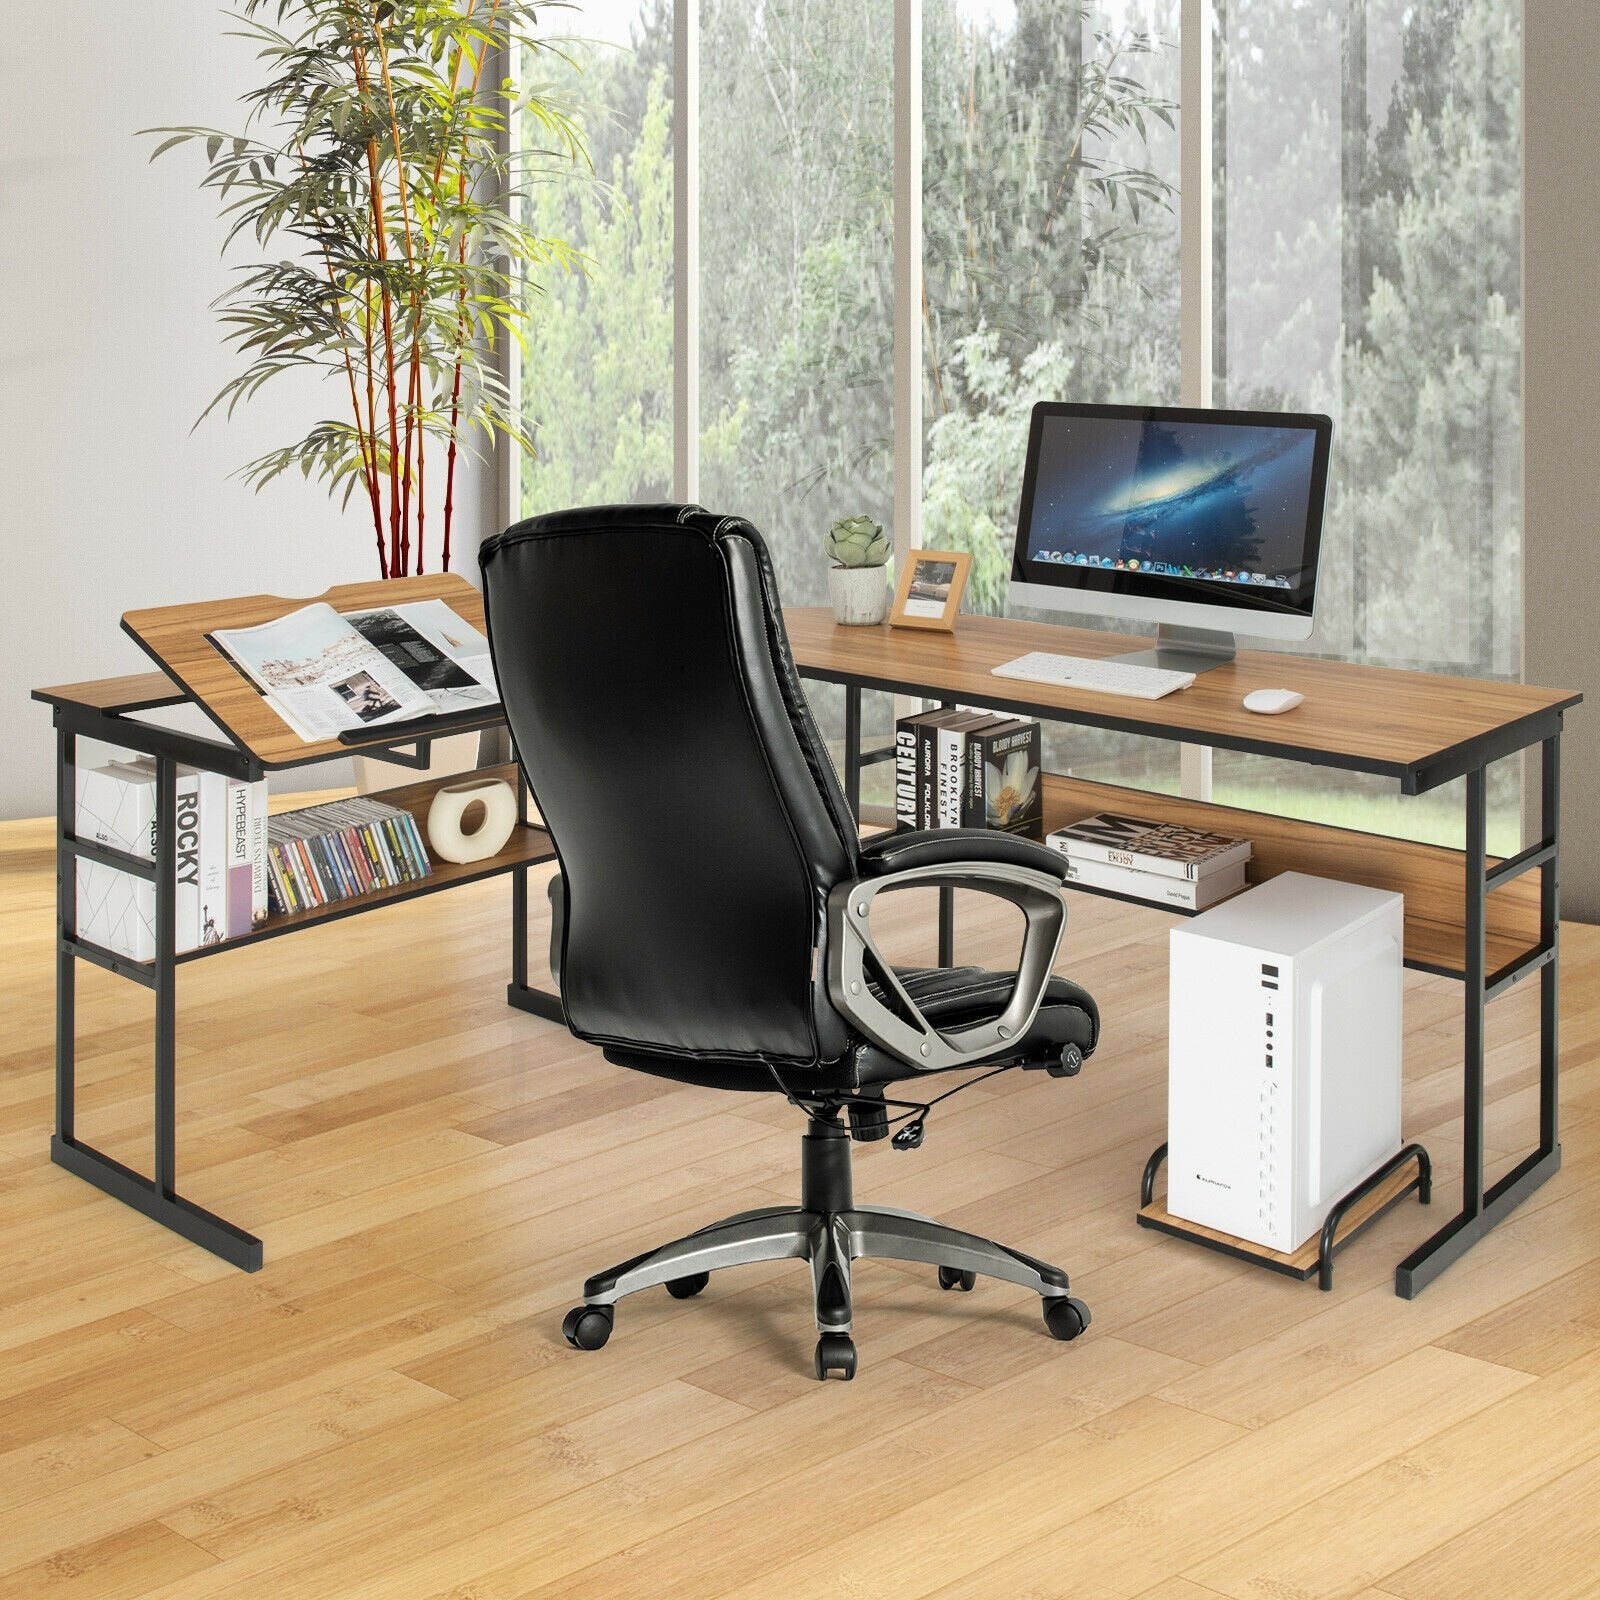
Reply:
x=947, y=927
x=1483, y=1209
x=519, y=992
x=852, y=749
x=1550, y=937
x=155, y=1197
x=947, y=904
x=1476, y=980
x=66, y=928
x=166, y=1108
x=519, y=928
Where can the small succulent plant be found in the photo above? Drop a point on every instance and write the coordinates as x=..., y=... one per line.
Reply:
x=858, y=542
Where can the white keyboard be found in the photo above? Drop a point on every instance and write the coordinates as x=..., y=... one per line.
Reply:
x=1104, y=677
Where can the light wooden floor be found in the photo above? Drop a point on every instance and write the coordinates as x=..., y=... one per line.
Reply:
x=387, y=1411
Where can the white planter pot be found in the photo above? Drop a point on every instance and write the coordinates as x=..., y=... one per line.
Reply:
x=860, y=595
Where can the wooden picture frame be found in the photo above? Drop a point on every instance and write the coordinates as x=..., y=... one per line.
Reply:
x=929, y=592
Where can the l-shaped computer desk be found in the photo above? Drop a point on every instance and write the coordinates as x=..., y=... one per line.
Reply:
x=1467, y=915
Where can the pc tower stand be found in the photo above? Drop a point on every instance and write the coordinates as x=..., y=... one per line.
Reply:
x=1284, y=1077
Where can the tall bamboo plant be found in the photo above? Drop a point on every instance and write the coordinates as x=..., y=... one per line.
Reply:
x=380, y=144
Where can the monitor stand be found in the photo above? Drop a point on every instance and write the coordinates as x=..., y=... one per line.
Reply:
x=1184, y=650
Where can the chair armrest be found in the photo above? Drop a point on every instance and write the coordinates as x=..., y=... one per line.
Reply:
x=855, y=962
x=928, y=847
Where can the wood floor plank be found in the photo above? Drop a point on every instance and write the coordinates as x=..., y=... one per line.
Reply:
x=1394, y=1513
x=1540, y=1331
x=1042, y=1490
x=1179, y=1520
x=146, y=1490
x=1178, y=1589
x=725, y=1535
x=1527, y=1547
x=119, y=1566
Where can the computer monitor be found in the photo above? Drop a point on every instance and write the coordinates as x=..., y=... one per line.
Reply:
x=1204, y=522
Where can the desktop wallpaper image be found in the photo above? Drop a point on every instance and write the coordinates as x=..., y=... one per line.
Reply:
x=1173, y=498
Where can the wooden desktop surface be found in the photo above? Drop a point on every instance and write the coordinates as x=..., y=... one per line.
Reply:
x=175, y=637
x=1417, y=727
x=1371, y=719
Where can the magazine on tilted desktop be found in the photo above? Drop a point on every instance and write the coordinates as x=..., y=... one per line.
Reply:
x=327, y=673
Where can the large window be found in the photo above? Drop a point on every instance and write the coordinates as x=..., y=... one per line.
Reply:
x=1365, y=222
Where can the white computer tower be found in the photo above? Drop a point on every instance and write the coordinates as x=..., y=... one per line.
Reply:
x=1284, y=1087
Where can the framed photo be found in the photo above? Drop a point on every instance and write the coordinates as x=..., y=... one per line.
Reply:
x=930, y=589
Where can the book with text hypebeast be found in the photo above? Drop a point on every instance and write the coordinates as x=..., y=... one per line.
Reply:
x=326, y=672
x=1169, y=849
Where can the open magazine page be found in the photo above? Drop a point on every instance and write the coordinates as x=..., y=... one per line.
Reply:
x=321, y=676
x=442, y=655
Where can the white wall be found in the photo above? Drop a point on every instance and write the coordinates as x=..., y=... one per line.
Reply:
x=108, y=353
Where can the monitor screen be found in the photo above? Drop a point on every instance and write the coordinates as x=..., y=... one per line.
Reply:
x=1166, y=502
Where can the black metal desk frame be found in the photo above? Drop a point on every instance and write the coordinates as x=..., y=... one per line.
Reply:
x=157, y=1196
x=1482, y=1208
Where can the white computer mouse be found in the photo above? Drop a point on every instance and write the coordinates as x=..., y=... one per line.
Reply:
x=1269, y=702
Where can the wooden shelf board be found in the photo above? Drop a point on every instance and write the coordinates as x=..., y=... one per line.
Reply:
x=527, y=846
x=1301, y=1263
x=138, y=692
x=1431, y=877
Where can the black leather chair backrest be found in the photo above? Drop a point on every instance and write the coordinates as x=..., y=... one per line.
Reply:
x=648, y=685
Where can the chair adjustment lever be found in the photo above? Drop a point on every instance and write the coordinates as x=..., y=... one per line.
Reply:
x=1067, y=1065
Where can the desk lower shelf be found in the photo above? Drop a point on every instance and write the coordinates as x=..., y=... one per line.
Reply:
x=1431, y=877
x=527, y=846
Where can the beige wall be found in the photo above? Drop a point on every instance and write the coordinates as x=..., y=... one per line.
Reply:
x=109, y=353
x=1562, y=406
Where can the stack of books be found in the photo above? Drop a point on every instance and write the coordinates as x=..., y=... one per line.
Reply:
x=1164, y=863
x=968, y=769
x=220, y=872
x=326, y=853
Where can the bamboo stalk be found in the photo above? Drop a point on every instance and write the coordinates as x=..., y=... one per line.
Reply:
x=414, y=388
x=411, y=263
x=461, y=320
x=375, y=187
x=414, y=402
x=422, y=470
x=372, y=417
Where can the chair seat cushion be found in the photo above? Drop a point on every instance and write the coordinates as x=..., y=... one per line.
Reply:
x=957, y=997
x=950, y=997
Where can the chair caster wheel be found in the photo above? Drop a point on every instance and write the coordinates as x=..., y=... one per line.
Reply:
x=587, y=1327
x=688, y=1288
x=836, y=1352
x=955, y=1278
x=1065, y=1316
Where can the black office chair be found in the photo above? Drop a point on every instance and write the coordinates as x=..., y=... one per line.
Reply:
x=711, y=920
